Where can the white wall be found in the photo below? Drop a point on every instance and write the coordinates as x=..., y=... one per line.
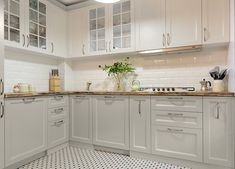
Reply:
x=25, y=68
x=167, y=70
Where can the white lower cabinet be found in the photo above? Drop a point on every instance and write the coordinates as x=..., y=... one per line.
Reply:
x=183, y=143
x=57, y=132
x=111, y=121
x=140, y=124
x=25, y=128
x=218, y=131
x=81, y=119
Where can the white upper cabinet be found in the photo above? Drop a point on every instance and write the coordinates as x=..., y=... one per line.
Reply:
x=14, y=23
x=150, y=24
x=122, y=34
x=216, y=21
x=77, y=47
x=183, y=22
x=57, y=31
x=97, y=30
x=218, y=131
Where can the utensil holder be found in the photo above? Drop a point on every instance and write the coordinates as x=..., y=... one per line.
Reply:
x=218, y=86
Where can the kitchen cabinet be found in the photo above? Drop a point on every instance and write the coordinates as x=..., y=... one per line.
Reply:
x=77, y=36
x=216, y=14
x=81, y=119
x=58, y=132
x=102, y=29
x=57, y=31
x=174, y=23
x=111, y=121
x=14, y=19
x=150, y=24
x=25, y=128
x=122, y=33
x=2, y=116
x=218, y=131
x=177, y=142
x=140, y=124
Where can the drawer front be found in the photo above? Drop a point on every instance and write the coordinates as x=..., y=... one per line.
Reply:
x=57, y=113
x=57, y=132
x=177, y=142
x=177, y=119
x=188, y=104
x=57, y=101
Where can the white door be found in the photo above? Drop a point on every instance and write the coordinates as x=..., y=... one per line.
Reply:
x=14, y=32
x=76, y=33
x=218, y=131
x=183, y=22
x=121, y=27
x=216, y=21
x=81, y=119
x=177, y=142
x=140, y=124
x=57, y=30
x=25, y=128
x=111, y=121
x=150, y=24
x=36, y=24
x=96, y=30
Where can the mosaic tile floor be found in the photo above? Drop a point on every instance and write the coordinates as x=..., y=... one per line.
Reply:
x=76, y=158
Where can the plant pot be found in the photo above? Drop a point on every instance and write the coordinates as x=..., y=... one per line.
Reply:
x=218, y=86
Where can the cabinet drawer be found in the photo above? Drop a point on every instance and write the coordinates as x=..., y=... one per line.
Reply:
x=57, y=132
x=58, y=100
x=188, y=104
x=177, y=142
x=177, y=119
x=57, y=113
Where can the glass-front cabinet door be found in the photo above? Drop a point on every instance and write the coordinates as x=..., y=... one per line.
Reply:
x=13, y=23
x=122, y=26
x=97, y=26
x=37, y=24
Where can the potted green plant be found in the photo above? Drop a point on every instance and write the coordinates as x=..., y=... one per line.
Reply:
x=119, y=71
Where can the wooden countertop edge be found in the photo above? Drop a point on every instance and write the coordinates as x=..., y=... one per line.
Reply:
x=128, y=93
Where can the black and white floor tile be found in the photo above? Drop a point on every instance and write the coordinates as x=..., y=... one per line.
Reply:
x=76, y=158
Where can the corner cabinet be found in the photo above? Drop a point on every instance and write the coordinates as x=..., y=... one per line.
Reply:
x=25, y=128
x=219, y=131
x=81, y=119
x=140, y=124
x=111, y=121
x=216, y=21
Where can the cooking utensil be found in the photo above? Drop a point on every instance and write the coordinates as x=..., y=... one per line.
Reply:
x=222, y=74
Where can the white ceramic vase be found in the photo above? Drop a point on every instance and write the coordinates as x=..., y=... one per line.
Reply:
x=218, y=86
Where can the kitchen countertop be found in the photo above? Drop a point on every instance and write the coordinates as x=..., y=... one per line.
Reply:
x=137, y=93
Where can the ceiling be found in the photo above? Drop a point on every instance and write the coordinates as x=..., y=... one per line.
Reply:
x=71, y=2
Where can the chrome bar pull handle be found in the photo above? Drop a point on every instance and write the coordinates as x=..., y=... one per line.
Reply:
x=83, y=49
x=52, y=47
x=205, y=34
x=163, y=40
x=2, y=110
x=2, y=87
x=217, y=111
x=139, y=107
x=23, y=39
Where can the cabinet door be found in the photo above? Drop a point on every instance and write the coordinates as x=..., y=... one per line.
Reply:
x=122, y=35
x=111, y=121
x=36, y=25
x=76, y=32
x=183, y=22
x=216, y=21
x=218, y=131
x=25, y=128
x=96, y=29
x=140, y=124
x=81, y=119
x=2, y=118
x=14, y=23
x=57, y=30
x=182, y=143
x=57, y=132
x=150, y=26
